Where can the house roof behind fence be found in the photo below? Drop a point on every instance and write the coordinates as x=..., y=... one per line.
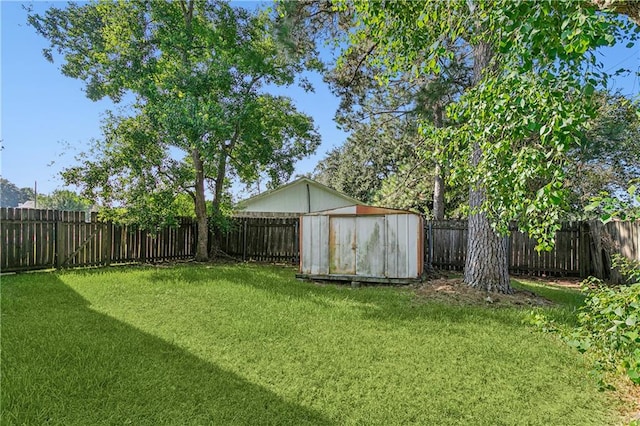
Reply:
x=301, y=196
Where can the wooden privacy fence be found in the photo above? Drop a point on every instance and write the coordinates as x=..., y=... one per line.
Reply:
x=581, y=248
x=447, y=241
x=40, y=239
x=263, y=239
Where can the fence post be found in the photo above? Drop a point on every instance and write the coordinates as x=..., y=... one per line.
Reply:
x=143, y=246
x=107, y=242
x=509, y=256
x=430, y=236
x=585, y=250
x=59, y=248
x=244, y=239
x=296, y=239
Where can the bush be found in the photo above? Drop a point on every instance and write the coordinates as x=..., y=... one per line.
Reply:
x=609, y=324
x=630, y=269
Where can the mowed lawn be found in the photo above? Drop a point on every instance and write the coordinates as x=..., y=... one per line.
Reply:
x=243, y=344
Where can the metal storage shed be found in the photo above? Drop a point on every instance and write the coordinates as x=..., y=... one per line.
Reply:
x=362, y=244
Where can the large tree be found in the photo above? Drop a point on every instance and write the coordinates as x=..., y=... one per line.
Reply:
x=608, y=156
x=372, y=154
x=404, y=169
x=198, y=70
x=11, y=195
x=390, y=112
x=534, y=77
x=63, y=199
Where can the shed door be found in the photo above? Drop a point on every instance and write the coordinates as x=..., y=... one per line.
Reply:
x=342, y=245
x=370, y=246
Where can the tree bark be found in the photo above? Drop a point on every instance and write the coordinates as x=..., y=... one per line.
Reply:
x=202, y=237
x=486, y=265
x=201, y=208
x=438, y=194
x=602, y=250
x=219, y=187
x=438, y=183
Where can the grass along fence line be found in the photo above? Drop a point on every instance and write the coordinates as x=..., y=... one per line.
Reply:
x=242, y=344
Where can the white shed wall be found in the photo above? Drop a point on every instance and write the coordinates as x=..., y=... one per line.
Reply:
x=314, y=258
x=370, y=246
x=403, y=240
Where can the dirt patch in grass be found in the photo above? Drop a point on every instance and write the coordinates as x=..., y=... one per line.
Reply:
x=453, y=290
x=566, y=282
x=631, y=395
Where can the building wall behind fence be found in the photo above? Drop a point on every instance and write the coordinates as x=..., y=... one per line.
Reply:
x=39, y=239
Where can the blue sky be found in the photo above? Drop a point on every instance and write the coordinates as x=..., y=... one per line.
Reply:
x=46, y=119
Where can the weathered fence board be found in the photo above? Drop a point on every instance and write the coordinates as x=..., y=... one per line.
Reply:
x=27, y=239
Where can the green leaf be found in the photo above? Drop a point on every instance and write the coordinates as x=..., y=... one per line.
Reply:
x=592, y=206
x=543, y=129
x=588, y=90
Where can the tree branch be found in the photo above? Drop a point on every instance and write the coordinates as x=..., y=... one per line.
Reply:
x=630, y=8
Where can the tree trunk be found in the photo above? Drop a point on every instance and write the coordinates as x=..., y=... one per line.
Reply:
x=438, y=183
x=438, y=194
x=486, y=266
x=198, y=164
x=631, y=8
x=219, y=187
x=602, y=250
x=201, y=208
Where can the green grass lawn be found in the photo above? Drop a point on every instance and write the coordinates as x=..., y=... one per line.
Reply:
x=241, y=344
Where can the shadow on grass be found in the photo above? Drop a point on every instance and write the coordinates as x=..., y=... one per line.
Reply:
x=567, y=300
x=385, y=303
x=64, y=363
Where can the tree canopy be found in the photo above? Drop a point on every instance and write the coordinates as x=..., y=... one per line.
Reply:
x=11, y=195
x=197, y=70
x=63, y=199
x=530, y=102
